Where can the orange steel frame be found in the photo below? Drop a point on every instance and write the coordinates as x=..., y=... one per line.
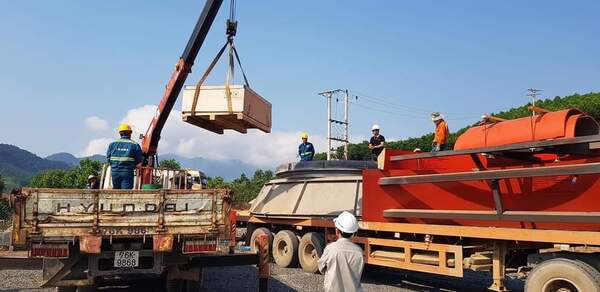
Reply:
x=498, y=238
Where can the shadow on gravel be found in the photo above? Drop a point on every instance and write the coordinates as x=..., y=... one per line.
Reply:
x=415, y=281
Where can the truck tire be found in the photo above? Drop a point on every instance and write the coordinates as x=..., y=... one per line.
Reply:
x=285, y=249
x=310, y=251
x=564, y=275
x=255, y=234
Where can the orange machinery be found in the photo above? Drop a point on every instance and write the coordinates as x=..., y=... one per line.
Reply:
x=538, y=172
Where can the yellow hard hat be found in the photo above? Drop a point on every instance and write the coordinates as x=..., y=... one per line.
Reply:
x=304, y=135
x=124, y=128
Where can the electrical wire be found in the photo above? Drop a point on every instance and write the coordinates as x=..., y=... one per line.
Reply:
x=387, y=103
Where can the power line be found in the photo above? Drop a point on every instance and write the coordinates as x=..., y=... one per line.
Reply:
x=388, y=102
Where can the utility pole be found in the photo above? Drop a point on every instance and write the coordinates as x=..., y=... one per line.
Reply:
x=346, y=106
x=330, y=122
x=533, y=93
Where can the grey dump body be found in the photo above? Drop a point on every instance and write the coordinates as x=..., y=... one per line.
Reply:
x=313, y=189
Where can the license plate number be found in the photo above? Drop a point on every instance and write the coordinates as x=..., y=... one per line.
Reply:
x=127, y=259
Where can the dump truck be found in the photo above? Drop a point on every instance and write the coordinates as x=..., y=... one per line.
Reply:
x=518, y=195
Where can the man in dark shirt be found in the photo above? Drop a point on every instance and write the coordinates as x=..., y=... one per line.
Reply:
x=376, y=143
x=306, y=150
x=124, y=155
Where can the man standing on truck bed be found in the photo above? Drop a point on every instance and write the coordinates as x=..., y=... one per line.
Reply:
x=342, y=261
x=440, y=138
x=123, y=155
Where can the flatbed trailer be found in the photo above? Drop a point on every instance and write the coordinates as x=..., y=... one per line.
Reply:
x=553, y=249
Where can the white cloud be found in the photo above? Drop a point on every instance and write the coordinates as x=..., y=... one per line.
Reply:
x=95, y=124
x=256, y=148
x=96, y=146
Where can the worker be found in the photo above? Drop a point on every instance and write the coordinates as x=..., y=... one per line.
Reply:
x=306, y=150
x=124, y=155
x=92, y=183
x=440, y=138
x=342, y=261
x=376, y=143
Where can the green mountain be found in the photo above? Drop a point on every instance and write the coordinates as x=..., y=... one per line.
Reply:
x=589, y=103
x=17, y=166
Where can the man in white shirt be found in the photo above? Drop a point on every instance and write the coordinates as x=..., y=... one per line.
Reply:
x=342, y=261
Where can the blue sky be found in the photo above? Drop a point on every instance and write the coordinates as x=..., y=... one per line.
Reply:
x=64, y=61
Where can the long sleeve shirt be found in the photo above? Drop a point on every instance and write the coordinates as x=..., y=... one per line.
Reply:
x=306, y=151
x=124, y=154
x=441, y=133
x=342, y=263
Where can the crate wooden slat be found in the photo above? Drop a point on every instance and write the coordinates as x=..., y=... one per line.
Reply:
x=249, y=110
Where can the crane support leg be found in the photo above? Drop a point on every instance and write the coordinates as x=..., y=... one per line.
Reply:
x=498, y=266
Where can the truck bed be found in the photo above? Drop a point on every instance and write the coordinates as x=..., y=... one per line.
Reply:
x=67, y=213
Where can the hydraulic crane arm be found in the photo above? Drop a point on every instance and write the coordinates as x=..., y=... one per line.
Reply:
x=182, y=69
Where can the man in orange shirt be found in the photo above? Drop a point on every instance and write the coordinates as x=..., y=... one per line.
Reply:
x=440, y=138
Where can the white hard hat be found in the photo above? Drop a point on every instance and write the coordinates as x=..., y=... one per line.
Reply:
x=375, y=127
x=91, y=176
x=435, y=116
x=346, y=222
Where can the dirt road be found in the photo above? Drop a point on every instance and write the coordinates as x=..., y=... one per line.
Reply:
x=282, y=280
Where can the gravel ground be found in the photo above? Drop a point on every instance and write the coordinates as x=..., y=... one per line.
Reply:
x=243, y=279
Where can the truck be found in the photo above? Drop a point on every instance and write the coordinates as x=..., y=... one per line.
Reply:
x=168, y=226
x=513, y=195
x=84, y=238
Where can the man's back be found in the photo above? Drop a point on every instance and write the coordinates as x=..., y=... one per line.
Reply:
x=123, y=154
x=342, y=262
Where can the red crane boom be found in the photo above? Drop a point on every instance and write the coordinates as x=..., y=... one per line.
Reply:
x=178, y=78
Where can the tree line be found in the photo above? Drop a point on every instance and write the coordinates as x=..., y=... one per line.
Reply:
x=588, y=103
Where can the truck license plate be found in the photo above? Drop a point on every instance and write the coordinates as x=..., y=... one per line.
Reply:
x=127, y=259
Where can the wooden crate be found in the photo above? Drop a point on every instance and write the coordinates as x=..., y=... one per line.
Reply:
x=248, y=109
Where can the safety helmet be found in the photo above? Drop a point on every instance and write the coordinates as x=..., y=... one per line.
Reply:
x=91, y=176
x=304, y=135
x=346, y=222
x=375, y=127
x=124, y=128
x=435, y=116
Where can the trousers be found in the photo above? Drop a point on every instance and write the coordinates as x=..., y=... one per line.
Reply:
x=122, y=180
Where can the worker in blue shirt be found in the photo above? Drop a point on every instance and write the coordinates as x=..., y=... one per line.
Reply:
x=124, y=155
x=306, y=150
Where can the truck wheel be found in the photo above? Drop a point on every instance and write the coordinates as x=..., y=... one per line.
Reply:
x=563, y=275
x=255, y=234
x=310, y=251
x=285, y=249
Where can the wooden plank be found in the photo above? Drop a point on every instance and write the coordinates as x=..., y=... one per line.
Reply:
x=530, y=235
x=202, y=123
x=540, y=216
x=224, y=122
x=509, y=147
x=542, y=171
